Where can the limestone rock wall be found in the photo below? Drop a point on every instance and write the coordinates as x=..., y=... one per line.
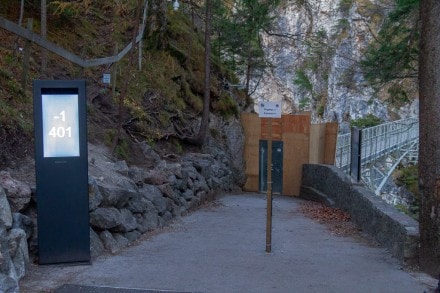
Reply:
x=314, y=50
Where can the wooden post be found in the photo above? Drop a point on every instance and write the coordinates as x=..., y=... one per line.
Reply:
x=44, y=36
x=356, y=153
x=27, y=56
x=114, y=74
x=140, y=51
x=269, y=190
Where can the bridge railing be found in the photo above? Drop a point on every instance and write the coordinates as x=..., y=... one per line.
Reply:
x=383, y=139
x=377, y=142
x=343, y=151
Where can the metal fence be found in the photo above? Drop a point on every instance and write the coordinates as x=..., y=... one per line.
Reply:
x=343, y=152
x=396, y=139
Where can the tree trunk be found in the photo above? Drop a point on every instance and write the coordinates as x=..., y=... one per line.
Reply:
x=204, y=124
x=248, y=69
x=126, y=84
x=20, y=20
x=429, y=150
x=43, y=35
x=160, y=11
x=207, y=93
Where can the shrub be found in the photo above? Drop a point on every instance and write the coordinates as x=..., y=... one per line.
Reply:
x=368, y=121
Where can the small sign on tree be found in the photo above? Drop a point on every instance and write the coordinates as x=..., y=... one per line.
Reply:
x=106, y=78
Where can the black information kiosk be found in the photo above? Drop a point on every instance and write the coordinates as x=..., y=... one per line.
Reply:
x=61, y=167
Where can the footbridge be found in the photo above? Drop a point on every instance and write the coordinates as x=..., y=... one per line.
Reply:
x=371, y=154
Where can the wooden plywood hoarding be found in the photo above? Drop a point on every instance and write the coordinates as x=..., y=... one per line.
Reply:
x=302, y=143
x=323, y=143
x=252, y=130
x=331, y=136
x=317, y=143
x=296, y=138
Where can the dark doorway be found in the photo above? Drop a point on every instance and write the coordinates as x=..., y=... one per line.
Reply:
x=277, y=166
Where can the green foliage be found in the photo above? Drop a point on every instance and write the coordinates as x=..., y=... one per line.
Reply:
x=316, y=64
x=347, y=78
x=164, y=118
x=302, y=81
x=226, y=106
x=4, y=74
x=397, y=95
x=345, y=5
x=320, y=110
x=214, y=132
x=122, y=147
x=69, y=10
x=343, y=24
x=318, y=52
x=10, y=59
x=161, y=68
x=15, y=103
x=178, y=146
x=15, y=119
x=394, y=54
x=237, y=39
x=408, y=177
x=304, y=103
x=194, y=101
x=368, y=121
x=410, y=211
x=341, y=29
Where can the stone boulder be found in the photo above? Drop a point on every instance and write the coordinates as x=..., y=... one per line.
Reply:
x=105, y=218
x=148, y=152
x=5, y=211
x=18, y=251
x=154, y=195
x=155, y=177
x=113, y=242
x=14, y=254
x=128, y=222
x=116, y=196
x=19, y=193
x=96, y=246
x=23, y=222
x=95, y=196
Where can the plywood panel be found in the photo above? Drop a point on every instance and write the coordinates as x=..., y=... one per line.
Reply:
x=296, y=153
x=331, y=136
x=276, y=131
x=252, y=131
x=295, y=124
x=317, y=143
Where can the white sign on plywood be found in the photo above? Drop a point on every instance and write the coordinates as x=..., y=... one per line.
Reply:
x=269, y=110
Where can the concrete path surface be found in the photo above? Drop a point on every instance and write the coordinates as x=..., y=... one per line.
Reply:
x=221, y=248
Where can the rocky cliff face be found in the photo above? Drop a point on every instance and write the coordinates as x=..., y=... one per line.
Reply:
x=315, y=56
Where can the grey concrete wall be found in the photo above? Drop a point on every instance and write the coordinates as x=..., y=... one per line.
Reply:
x=394, y=230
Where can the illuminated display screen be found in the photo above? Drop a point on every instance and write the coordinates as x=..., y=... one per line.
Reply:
x=60, y=125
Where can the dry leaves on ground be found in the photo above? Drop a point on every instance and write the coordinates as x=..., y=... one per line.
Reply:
x=337, y=221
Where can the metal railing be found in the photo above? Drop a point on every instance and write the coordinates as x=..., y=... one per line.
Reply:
x=390, y=141
x=343, y=152
x=384, y=139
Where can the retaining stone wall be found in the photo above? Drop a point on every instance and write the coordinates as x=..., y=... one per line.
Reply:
x=396, y=231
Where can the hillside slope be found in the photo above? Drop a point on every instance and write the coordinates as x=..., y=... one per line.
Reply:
x=161, y=102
